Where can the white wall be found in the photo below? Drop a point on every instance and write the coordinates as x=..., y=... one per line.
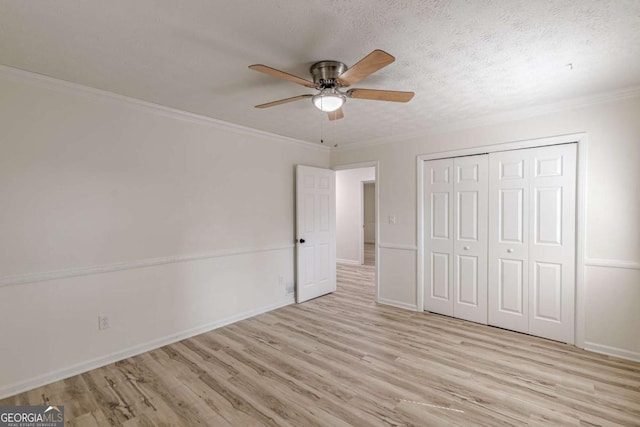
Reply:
x=169, y=223
x=370, y=212
x=613, y=210
x=349, y=212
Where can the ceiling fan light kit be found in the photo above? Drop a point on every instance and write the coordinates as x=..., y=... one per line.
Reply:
x=328, y=100
x=330, y=76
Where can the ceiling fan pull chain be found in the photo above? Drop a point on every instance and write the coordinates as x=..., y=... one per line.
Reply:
x=335, y=133
x=321, y=127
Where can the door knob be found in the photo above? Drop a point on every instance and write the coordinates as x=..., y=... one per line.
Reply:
x=466, y=248
x=301, y=240
x=510, y=250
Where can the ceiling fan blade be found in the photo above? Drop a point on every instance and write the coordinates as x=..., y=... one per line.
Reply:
x=282, y=75
x=283, y=101
x=365, y=67
x=380, y=95
x=336, y=115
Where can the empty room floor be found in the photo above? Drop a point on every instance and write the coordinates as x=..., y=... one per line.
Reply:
x=369, y=254
x=344, y=360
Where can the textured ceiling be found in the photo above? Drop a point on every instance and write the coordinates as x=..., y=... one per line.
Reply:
x=463, y=59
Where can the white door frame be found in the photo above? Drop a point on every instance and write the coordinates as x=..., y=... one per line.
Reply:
x=362, y=223
x=375, y=164
x=581, y=211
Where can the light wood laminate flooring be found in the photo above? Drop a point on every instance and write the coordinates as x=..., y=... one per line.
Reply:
x=369, y=254
x=344, y=360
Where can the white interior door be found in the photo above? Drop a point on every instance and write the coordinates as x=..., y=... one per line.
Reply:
x=508, y=240
x=316, y=232
x=552, y=242
x=470, y=244
x=438, y=238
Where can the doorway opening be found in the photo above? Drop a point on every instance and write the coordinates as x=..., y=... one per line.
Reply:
x=369, y=222
x=357, y=230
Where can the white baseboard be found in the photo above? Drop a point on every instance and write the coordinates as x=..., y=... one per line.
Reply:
x=397, y=304
x=612, y=351
x=348, y=261
x=16, y=388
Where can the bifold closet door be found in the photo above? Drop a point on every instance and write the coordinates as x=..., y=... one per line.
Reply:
x=552, y=227
x=532, y=241
x=438, y=236
x=509, y=240
x=470, y=245
x=456, y=237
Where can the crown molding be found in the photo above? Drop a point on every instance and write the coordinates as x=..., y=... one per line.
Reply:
x=146, y=106
x=505, y=117
x=58, y=84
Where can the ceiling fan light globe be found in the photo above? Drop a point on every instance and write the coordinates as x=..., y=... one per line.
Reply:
x=328, y=102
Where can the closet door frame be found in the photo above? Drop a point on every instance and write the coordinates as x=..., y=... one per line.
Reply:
x=581, y=139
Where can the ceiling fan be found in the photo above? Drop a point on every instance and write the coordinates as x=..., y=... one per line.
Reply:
x=329, y=77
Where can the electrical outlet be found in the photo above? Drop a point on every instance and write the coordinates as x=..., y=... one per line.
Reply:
x=392, y=219
x=104, y=322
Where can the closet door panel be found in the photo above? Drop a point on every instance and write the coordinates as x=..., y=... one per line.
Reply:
x=470, y=238
x=508, y=287
x=511, y=286
x=438, y=225
x=552, y=244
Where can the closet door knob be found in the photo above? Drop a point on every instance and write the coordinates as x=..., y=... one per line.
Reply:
x=510, y=250
x=466, y=248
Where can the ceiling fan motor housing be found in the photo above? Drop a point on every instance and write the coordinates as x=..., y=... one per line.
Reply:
x=326, y=73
